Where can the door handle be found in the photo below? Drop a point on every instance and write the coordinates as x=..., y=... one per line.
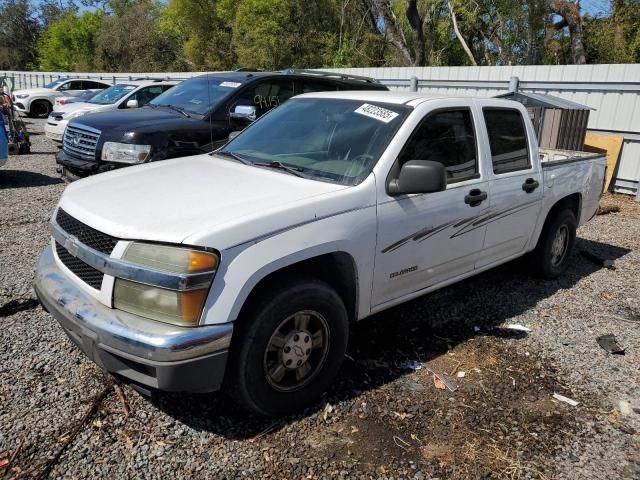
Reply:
x=530, y=185
x=475, y=197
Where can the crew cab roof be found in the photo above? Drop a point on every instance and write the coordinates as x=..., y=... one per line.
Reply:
x=398, y=97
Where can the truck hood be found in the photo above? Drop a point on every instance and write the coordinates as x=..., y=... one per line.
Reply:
x=138, y=119
x=199, y=200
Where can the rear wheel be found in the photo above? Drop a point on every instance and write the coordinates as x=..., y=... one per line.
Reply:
x=288, y=348
x=550, y=258
x=40, y=109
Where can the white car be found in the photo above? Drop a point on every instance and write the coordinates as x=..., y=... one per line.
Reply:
x=38, y=102
x=131, y=94
x=245, y=268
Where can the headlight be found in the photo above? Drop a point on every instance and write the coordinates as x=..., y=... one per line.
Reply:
x=182, y=307
x=125, y=152
x=22, y=95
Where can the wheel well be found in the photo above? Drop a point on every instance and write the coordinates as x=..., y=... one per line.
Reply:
x=571, y=202
x=337, y=269
x=42, y=100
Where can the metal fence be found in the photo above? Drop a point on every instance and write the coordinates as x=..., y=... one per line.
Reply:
x=612, y=90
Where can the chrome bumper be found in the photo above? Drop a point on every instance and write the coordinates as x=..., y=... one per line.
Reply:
x=151, y=353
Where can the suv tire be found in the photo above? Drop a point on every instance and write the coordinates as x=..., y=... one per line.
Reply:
x=288, y=347
x=551, y=255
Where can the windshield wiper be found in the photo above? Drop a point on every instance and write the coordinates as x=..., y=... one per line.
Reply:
x=235, y=156
x=281, y=166
x=178, y=109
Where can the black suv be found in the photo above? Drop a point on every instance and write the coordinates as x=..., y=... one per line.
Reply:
x=194, y=117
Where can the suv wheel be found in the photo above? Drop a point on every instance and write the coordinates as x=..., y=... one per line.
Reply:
x=289, y=348
x=550, y=258
x=40, y=109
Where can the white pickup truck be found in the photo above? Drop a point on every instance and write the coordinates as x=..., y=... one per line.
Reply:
x=243, y=269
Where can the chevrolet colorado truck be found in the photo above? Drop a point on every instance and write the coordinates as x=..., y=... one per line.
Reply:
x=243, y=269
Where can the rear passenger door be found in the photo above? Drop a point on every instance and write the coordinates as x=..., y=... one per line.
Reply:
x=516, y=185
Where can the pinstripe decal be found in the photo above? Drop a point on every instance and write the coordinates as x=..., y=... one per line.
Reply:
x=463, y=225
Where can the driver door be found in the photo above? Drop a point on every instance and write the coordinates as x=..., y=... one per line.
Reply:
x=427, y=239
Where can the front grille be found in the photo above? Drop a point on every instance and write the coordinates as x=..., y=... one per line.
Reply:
x=80, y=141
x=86, y=273
x=89, y=236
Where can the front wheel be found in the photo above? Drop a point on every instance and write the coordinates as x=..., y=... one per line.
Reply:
x=40, y=109
x=551, y=256
x=288, y=348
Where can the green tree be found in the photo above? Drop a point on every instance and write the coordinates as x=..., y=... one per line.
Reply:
x=19, y=33
x=130, y=39
x=69, y=43
x=202, y=29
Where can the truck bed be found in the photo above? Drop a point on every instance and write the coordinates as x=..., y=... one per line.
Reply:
x=550, y=157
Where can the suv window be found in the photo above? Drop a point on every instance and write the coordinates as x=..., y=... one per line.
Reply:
x=146, y=94
x=266, y=95
x=90, y=85
x=69, y=86
x=448, y=137
x=507, y=139
x=307, y=86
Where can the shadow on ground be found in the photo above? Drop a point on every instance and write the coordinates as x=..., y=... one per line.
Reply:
x=20, y=178
x=422, y=329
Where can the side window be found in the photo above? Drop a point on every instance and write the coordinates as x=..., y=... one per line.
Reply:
x=448, y=137
x=507, y=139
x=307, y=86
x=88, y=85
x=266, y=95
x=64, y=87
x=145, y=95
x=75, y=85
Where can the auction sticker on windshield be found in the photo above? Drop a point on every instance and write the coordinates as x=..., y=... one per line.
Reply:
x=230, y=84
x=379, y=113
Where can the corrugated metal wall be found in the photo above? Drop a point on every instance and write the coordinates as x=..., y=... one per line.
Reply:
x=612, y=90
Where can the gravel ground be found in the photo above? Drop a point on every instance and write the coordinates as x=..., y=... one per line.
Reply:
x=384, y=417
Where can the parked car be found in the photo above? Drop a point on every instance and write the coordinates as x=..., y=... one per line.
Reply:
x=244, y=269
x=81, y=97
x=127, y=95
x=38, y=102
x=195, y=117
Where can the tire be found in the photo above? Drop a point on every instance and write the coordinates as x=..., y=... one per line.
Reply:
x=551, y=255
x=40, y=109
x=279, y=333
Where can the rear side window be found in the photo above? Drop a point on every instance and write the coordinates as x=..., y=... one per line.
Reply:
x=507, y=139
x=307, y=86
x=448, y=137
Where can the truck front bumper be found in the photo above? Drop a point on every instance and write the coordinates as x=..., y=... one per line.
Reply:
x=145, y=352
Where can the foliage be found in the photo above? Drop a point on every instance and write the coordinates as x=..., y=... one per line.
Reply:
x=69, y=43
x=19, y=33
x=130, y=39
x=161, y=35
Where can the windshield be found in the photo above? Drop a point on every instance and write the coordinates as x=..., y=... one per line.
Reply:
x=324, y=139
x=55, y=83
x=197, y=95
x=112, y=94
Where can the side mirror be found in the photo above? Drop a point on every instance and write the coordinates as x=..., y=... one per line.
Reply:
x=244, y=112
x=132, y=103
x=419, y=176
